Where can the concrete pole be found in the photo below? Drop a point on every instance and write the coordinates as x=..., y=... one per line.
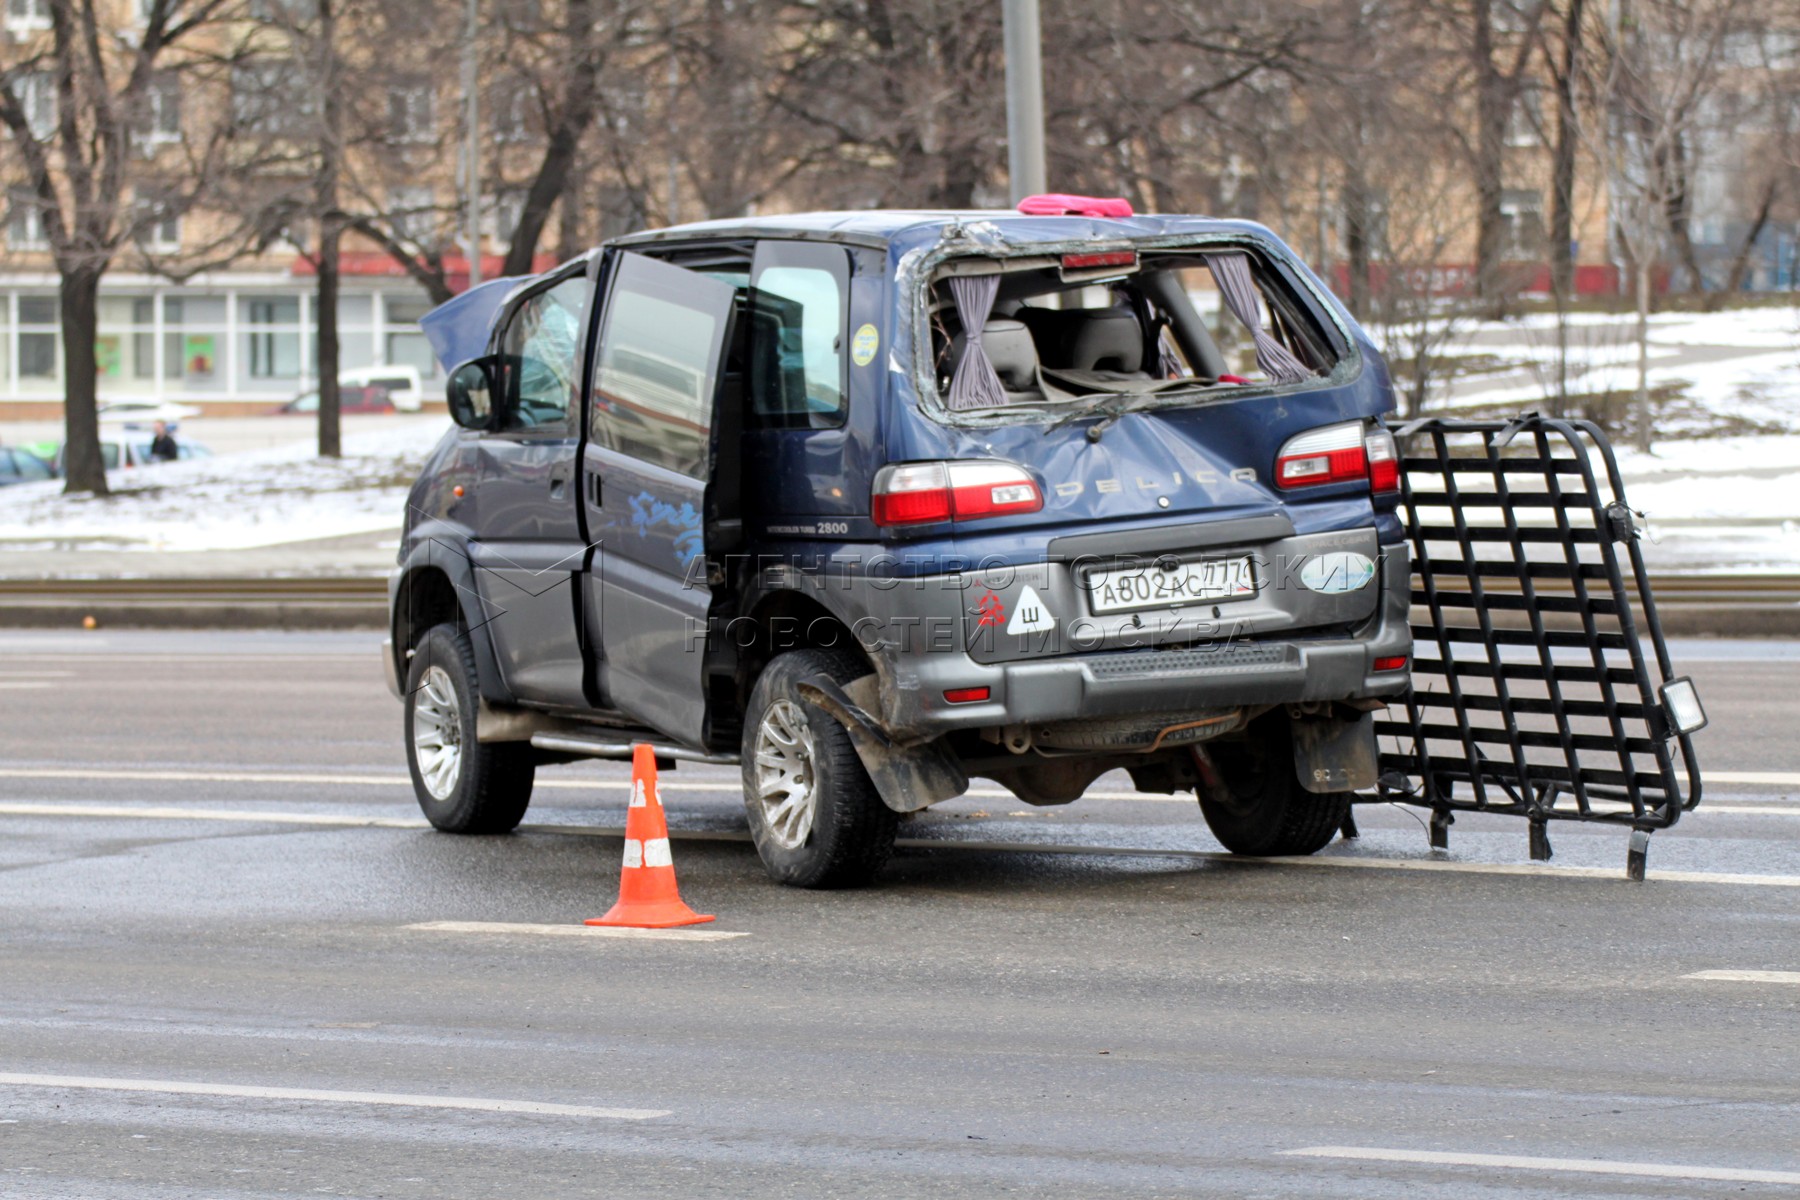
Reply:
x=1024, y=99
x=472, y=146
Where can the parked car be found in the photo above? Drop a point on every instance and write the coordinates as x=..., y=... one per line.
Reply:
x=128, y=449
x=146, y=411
x=402, y=383
x=874, y=502
x=22, y=466
x=370, y=399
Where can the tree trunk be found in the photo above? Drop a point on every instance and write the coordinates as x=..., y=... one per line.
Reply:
x=1740, y=262
x=1492, y=107
x=1562, y=199
x=1356, y=242
x=1642, y=400
x=330, y=394
x=83, y=468
x=330, y=233
x=581, y=100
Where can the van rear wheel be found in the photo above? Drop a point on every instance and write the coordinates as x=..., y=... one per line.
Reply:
x=815, y=815
x=1259, y=808
x=462, y=785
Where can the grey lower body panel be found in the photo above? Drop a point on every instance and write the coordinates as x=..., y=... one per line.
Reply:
x=1156, y=680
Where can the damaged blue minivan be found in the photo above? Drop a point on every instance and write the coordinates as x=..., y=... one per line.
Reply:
x=874, y=502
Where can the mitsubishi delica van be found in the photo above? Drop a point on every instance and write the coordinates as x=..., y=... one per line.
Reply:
x=874, y=502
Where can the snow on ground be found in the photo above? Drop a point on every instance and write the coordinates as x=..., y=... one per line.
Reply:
x=232, y=502
x=1721, y=487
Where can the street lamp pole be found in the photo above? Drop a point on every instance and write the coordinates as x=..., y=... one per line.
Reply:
x=1024, y=99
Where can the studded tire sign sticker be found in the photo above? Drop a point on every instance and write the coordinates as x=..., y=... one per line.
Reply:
x=1030, y=614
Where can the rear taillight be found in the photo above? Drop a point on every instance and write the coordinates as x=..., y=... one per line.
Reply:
x=1384, y=461
x=920, y=493
x=1331, y=454
x=1340, y=453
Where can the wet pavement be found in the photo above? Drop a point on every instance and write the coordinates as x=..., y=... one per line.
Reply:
x=213, y=981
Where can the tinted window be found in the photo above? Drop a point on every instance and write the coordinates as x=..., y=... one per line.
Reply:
x=797, y=355
x=659, y=361
x=542, y=352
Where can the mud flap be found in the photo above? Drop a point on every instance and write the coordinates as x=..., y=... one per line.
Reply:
x=1533, y=692
x=1332, y=755
x=908, y=778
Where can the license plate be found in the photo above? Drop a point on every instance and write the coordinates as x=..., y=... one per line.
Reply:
x=1181, y=583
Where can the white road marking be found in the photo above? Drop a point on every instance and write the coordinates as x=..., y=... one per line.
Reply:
x=1746, y=976
x=176, y=1087
x=252, y=816
x=610, y=931
x=171, y=813
x=1777, y=778
x=1516, y=1162
x=17, y=686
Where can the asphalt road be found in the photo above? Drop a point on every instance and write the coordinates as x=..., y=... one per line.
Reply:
x=213, y=982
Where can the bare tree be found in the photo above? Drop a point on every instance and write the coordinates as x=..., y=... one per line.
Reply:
x=71, y=101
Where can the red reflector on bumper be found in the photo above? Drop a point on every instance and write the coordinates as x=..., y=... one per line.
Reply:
x=1396, y=663
x=966, y=695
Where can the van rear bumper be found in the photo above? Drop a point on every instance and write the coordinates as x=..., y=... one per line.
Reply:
x=1154, y=680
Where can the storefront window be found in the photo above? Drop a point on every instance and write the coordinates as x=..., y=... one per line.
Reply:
x=39, y=342
x=272, y=342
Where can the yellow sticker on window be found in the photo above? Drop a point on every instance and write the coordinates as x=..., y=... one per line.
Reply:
x=862, y=346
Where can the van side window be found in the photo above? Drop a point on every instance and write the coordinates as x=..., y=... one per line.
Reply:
x=658, y=366
x=541, y=350
x=798, y=298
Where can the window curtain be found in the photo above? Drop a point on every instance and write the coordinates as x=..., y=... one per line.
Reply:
x=1232, y=273
x=975, y=384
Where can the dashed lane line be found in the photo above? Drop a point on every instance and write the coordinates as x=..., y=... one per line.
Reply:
x=1746, y=976
x=585, y=931
x=1348, y=861
x=178, y=1087
x=1517, y=1162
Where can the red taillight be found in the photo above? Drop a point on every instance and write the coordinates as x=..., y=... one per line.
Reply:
x=1331, y=454
x=1340, y=454
x=920, y=493
x=1396, y=663
x=966, y=695
x=1384, y=461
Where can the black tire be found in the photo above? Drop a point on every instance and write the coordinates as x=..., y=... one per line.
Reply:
x=851, y=832
x=490, y=786
x=1260, y=809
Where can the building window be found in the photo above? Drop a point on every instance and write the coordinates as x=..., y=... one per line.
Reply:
x=509, y=206
x=270, y=96
x=158, y=223
x=37, y=96
x=1522, y=221
x=159, y=120
x=25, y=16
x=274, y=336
x=25, y=222
x=406, y=345
x=410, y=113
x=413, y=213
x=143, y=337
x=511, y=101
x=37, y=337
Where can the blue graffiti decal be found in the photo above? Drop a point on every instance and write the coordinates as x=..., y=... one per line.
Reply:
x=647, y=513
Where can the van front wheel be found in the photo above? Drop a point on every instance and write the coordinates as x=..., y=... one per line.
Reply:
x=462, y=785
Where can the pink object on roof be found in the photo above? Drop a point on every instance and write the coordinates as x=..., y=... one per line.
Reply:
x=1058, y=204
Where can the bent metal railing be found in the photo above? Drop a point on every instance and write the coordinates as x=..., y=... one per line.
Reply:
x=1531, y=691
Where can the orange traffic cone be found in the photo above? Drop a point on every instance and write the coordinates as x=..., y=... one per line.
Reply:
x=648, y=898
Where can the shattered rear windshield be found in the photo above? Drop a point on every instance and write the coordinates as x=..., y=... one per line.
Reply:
x=1117, y=328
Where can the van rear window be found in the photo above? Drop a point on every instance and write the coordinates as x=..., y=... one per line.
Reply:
x=1147, y=328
